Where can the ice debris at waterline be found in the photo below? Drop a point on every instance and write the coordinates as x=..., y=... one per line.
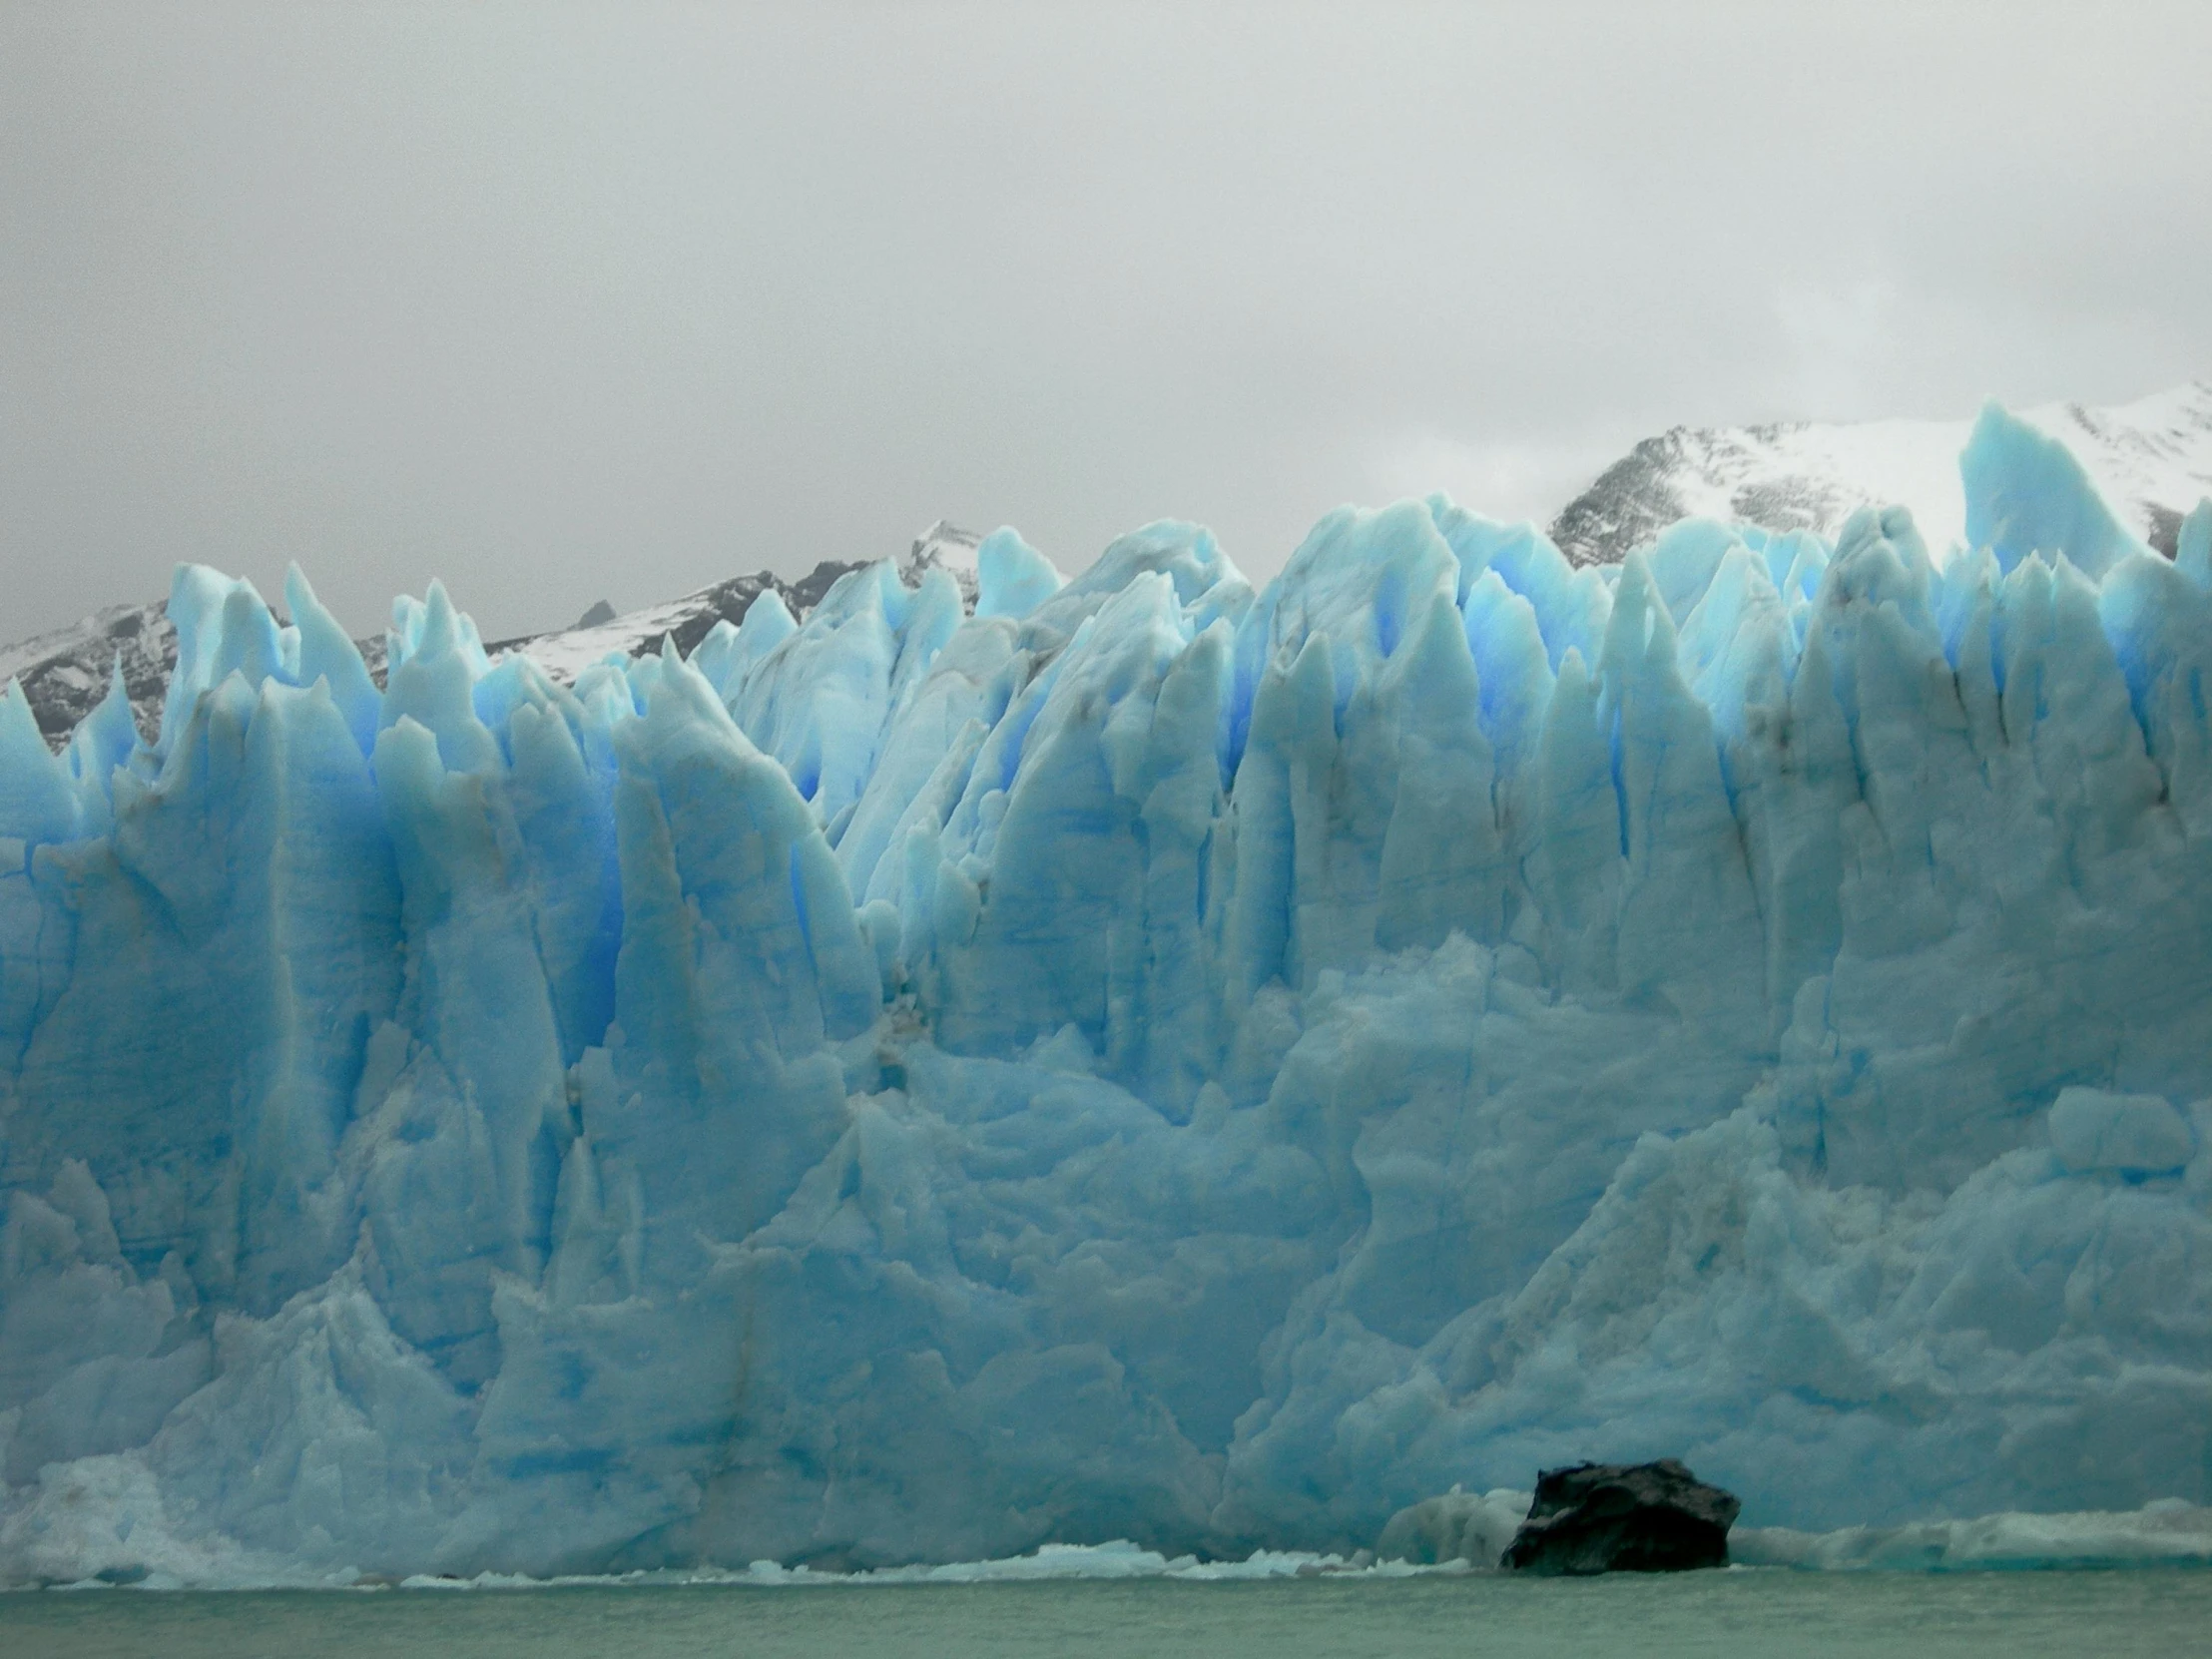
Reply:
x=1145, y=1059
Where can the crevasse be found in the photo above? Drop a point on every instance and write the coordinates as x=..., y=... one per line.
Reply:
x=1146, y=1060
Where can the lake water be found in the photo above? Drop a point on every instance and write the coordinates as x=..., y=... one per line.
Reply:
x=1737, y=1614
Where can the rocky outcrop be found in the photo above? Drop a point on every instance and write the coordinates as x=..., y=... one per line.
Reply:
x=1623, y=1518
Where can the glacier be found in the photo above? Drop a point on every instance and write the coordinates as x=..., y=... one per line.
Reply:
x=1131, y=1057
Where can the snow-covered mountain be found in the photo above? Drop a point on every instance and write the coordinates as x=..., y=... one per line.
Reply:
x=599, y=634
x=566, y=652
x=65, y=672
x=944, y=547
x=2150, y=459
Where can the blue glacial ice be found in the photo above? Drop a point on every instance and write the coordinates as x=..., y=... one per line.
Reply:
x=1145, y=1061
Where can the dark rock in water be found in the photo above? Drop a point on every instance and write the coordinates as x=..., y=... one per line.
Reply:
x=1623, y=1518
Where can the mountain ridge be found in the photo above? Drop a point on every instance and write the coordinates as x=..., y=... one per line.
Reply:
x=65, y=672
x=2150, y=459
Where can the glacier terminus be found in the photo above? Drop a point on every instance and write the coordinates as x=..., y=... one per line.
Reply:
x=1131, y=1057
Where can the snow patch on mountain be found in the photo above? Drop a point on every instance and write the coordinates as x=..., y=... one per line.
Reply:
x=2151, y=461
x=946, y=547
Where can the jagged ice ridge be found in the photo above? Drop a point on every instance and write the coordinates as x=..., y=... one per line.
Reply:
x=1144, y=1060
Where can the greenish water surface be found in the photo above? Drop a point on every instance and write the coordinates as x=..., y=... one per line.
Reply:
x=1738, y=1614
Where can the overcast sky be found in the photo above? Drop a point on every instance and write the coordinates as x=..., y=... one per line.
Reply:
x=564, y=303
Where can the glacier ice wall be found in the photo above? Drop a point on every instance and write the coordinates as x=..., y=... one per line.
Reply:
x=1145, y=1059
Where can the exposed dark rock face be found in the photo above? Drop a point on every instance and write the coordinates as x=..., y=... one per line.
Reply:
x=1623, y=1518
x=66, y=673
x=2164, y=531
x=1630, y=502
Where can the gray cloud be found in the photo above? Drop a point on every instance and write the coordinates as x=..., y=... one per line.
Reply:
x=613, y=301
